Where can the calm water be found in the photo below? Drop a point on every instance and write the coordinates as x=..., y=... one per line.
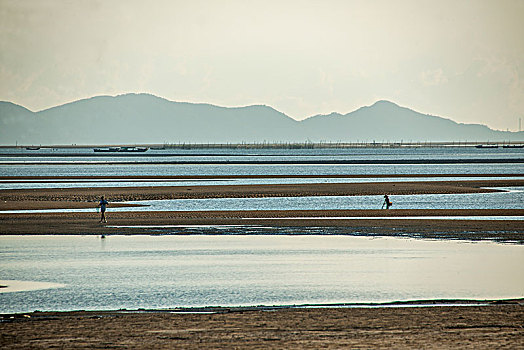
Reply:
x=170, y=271
x=511, y=198
x=20, y=169
x=254, y=169
x=86, y=272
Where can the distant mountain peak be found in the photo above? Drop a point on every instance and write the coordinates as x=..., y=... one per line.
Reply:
x=384, y=103
x=146, y=118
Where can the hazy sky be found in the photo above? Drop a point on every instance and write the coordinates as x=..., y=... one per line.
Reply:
x=463, y=60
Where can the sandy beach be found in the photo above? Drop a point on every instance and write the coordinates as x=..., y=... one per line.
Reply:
x=498, y=325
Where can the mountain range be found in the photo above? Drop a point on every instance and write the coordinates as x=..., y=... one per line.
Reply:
x=144, y=119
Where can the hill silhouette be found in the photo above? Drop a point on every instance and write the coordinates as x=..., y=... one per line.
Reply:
x=386, y=121
x=144, y=118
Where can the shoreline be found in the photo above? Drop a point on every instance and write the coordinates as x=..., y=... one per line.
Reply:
x=243, y=308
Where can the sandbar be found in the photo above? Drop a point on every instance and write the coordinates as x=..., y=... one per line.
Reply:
x=44, y=178
x=129, y=222
x=121, y=194
x=268, y=222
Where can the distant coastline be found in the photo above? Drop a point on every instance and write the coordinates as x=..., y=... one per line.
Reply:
x=275, y=145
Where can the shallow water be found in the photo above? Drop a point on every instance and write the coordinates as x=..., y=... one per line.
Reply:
x=169, y=271
x=27, y=184
x=21, y=156
x=511, y=198
x=254, y=169
x=86, y=272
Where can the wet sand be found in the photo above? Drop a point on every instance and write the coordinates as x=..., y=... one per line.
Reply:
x=495, y=325
x=87, y=223
x=475, y=327
x=273, y=223
x=229, y=177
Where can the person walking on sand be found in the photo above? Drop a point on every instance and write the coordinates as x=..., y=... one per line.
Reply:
x=387, y=203
x=103, y=203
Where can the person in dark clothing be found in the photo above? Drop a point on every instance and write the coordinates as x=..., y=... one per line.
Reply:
x=103, y=204
x=387, y=202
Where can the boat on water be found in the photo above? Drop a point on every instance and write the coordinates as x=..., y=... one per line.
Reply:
x=121, y=149
x=486, y=146
x=32, y=148
x=133, y=149
x=110, y=149
x=513, y=146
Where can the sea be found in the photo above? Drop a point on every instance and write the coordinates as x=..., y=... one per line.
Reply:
x=228, y=266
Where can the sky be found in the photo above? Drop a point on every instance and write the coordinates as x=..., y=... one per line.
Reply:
x=459, y=59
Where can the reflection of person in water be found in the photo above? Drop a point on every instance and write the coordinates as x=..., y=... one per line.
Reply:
x=103, y=203
x=387, y=203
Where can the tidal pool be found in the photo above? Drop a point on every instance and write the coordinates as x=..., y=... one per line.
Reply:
x=132, y=272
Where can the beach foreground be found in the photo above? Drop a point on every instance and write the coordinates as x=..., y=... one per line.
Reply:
x=498, y=325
